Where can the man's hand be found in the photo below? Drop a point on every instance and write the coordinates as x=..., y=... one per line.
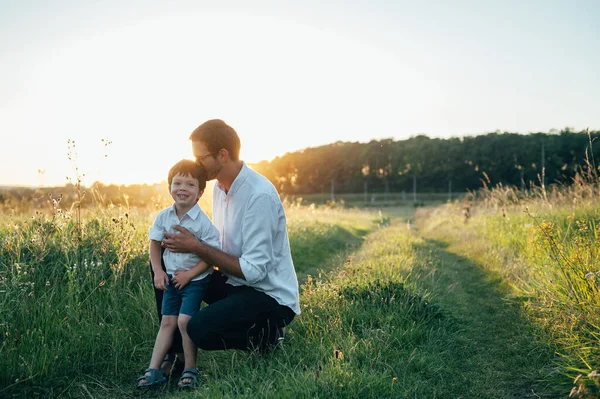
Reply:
x=182, y=278
x=184, y=241
x=161, y=280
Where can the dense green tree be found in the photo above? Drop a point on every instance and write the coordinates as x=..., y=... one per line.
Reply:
x=469, y=162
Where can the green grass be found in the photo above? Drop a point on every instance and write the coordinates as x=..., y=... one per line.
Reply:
x=68, y=301
x=545, y=252
x=76, y=301
x=497, y=350
x=388, y=311
x=317, y=235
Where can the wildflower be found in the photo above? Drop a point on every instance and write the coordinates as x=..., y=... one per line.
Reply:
x=338, y=354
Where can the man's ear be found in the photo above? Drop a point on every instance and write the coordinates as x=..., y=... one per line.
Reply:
x=224, y=153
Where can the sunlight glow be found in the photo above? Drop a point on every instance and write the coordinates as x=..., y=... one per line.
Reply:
x=285, y=75
x=281, y=86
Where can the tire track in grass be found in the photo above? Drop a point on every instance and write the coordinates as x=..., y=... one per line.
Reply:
x=495, y=353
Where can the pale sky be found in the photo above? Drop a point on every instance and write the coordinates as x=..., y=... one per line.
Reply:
x=285, y=74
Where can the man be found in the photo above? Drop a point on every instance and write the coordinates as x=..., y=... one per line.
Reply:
x=254, y=295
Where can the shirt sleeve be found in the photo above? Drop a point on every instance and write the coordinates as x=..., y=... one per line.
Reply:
x=157, y=231
x=210, y=234
x=258, y=229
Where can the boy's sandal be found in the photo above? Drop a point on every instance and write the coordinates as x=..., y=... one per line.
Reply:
x=151, y=378
x=189, y=378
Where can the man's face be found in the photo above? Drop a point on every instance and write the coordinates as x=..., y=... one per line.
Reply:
x=209, y=160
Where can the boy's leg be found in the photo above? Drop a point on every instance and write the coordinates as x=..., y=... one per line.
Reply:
x=164, y=338
x=245, y=319
x=191, y=298
x=170, y=310
x=189, y=348
x=176, y=346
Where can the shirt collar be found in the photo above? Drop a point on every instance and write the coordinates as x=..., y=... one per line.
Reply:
x=192, y=213
x=238, y=181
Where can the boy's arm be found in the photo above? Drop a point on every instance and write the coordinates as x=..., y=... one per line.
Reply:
x=183, y=277
x=161, y=280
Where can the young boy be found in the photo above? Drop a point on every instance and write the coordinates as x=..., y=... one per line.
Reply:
x=187, y=275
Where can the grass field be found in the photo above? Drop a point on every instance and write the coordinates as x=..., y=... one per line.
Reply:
x=444, y=310
x=544, y=249
x=76, y=299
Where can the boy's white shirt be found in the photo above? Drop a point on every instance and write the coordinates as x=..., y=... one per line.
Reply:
x=196, y=221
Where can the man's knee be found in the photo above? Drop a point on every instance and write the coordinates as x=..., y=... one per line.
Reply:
x=200, y=331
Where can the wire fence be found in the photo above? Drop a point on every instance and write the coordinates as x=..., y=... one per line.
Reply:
x=375, y=199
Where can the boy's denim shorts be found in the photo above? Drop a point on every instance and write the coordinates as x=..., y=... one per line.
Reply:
x=184, y=301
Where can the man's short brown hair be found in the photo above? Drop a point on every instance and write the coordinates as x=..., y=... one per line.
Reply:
x=216, y=134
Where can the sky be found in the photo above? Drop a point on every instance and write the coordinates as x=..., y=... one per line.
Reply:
x=287, y=75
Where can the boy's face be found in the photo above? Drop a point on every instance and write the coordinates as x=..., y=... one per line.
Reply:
x=185, y=190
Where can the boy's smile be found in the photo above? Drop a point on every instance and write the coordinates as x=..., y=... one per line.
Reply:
x=185, y=191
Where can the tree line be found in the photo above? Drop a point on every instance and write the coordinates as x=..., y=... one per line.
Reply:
x=461, y=163
x=379, y=166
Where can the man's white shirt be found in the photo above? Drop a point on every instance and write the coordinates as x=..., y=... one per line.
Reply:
x=252, y=226
x=196, y=221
